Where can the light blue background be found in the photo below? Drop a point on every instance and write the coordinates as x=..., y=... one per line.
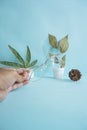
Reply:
x=28, y=22
x=47, y=104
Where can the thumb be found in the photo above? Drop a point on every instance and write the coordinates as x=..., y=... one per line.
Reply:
x=19, y=78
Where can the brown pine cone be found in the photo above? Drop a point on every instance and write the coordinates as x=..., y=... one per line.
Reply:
x=75, y=74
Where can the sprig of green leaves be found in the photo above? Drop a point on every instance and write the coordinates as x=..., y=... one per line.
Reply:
x=62, y=62
x=21, y=62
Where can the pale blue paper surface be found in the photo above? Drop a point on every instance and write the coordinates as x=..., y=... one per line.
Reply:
x=46, y=104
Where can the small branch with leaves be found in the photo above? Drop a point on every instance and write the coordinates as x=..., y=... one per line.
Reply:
x=61, y=45
x=21, y=62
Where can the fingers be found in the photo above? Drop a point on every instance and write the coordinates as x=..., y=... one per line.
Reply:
x=7, y=69
x=22, y=75
x=13, y=79
x=17, y=85
x=21, y=71
x=9, y=77
x=19, y=78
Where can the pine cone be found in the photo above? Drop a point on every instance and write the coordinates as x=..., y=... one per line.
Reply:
x=75, y=74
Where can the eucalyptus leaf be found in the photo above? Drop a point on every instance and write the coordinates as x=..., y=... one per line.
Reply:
x=28, y=55
x=17, y=55
x=22, y=64
x=53, y=41
x=62, y=62
x=64, y=58
x=13, y=64
x=32, y=63
x=56, y=60
x=64, y=44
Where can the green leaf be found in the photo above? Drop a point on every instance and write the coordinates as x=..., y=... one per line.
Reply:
x=17, y=55
x=64, y=44
x=13, y=64
x=56, y=60
x=64, y=58
x=53, y=41
x=62, y=62
x=28, y=55
x=22, y=63
x=32, y=63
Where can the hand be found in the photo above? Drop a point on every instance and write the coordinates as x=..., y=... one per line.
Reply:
x=11, y=79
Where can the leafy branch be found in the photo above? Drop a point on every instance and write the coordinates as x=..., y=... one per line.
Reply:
x=21, y=62
x=60, y=46
x=62, y=62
